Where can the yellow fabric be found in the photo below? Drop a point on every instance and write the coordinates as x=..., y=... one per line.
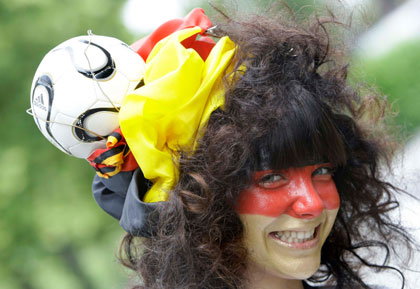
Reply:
x=109, y=174
x=111, y=141
x=114, y=160
x=168, y=112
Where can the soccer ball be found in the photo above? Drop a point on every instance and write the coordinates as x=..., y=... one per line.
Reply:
x=78, y=89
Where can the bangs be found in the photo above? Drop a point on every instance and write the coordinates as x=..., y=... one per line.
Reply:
x=304, y=133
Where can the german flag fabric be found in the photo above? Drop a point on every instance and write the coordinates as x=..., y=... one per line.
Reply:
x=116, y=157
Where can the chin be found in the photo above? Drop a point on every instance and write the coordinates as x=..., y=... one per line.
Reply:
x=297, y=269
x=304, y=273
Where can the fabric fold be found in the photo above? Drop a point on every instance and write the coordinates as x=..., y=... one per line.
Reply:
x=166, y=114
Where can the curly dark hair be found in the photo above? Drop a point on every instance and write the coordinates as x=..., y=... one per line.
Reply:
x=288, y=103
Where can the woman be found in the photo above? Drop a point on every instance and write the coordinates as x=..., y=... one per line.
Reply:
x=283, y=186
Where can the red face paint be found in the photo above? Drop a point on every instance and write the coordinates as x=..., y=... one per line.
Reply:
x=299, y=192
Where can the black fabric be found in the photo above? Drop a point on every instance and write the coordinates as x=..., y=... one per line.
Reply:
x=110, y=193
x=120, y=196
x=139, y=218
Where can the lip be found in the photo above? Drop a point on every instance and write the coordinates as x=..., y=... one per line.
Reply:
x=300, y=246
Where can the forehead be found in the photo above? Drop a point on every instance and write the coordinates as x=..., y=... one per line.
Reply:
x=283, y=160
x=285, y=155
x=301, y=136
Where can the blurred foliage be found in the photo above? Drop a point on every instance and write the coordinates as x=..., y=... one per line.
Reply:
x=397, y=75
x=52, y=233
x=303, y=7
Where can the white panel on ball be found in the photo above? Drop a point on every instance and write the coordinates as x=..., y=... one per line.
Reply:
x=82, y=82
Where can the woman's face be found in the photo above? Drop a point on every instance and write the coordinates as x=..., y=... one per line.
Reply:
x=287, y=217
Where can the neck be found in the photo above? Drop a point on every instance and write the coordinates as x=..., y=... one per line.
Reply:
x=261, y=279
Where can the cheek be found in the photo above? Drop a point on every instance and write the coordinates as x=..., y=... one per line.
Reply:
x=258, y=201
x=327, y=192
x=273, y=203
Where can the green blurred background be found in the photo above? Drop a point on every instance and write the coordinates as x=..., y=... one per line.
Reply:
x=52, y=233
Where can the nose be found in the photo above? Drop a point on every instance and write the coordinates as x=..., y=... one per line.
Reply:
x=307, y=204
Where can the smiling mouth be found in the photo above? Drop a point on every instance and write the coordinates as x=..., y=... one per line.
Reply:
x=298, y=239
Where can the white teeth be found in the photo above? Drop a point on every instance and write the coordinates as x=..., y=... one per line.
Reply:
x=309, y=234
x=295, y=236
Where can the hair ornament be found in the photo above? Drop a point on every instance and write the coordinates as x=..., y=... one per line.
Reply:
x=182, y=87
x=168, y=112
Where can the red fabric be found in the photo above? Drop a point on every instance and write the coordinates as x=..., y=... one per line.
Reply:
x=130, y=163
x=196, y=17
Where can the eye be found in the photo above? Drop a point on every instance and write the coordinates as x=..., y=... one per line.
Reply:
x=271, y=180
x=323, y=173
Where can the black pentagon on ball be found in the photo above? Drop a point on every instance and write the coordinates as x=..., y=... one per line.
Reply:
x=79, y=126
x=102, y=73
x=38, y=101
